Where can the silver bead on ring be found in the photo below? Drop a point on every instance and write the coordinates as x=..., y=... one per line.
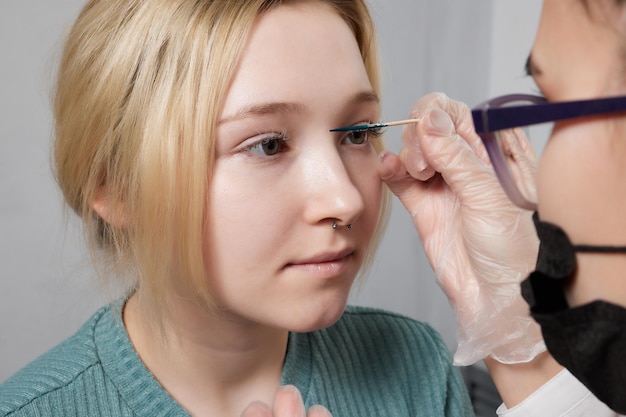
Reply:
x=336, y=226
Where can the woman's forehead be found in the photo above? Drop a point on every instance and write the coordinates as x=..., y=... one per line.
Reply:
x=298, y=53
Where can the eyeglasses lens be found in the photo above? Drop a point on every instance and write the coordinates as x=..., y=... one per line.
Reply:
x=521, y=148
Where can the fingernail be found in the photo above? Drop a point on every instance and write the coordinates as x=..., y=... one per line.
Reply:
x=292, y=389
x=441, y=122
x=319, y=410
x=384, y=172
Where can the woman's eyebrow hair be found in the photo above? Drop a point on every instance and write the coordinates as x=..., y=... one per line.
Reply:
x=261, y=109
x=364, y=97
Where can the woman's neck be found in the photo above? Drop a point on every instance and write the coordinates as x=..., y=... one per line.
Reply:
x=211, y=364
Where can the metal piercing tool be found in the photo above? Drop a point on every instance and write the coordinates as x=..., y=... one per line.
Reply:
x=374, y=125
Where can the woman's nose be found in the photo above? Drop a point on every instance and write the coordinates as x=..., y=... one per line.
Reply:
x=330, y=190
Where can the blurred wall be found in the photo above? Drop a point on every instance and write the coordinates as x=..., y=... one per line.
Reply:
x=469, y=49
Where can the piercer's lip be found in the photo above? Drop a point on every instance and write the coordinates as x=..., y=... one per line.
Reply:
x=325, y=257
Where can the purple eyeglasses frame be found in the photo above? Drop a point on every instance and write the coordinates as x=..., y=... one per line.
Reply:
x=492, y=116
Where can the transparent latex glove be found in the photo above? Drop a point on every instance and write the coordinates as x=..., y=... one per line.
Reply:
x=478, y=243
x=287, y=403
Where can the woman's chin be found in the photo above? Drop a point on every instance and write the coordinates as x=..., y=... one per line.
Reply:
x=317, y=320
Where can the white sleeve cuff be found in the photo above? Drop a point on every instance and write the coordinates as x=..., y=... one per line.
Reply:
x=562, y=396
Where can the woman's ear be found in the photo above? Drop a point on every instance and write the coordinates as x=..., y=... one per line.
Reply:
x=110, y=209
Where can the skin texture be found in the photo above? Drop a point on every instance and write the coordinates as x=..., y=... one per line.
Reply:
x=275, y=263
x=578, y=53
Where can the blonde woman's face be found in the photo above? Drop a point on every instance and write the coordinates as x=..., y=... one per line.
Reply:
x=281, y=177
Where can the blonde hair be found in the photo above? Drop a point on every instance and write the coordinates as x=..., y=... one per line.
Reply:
x=140, y=88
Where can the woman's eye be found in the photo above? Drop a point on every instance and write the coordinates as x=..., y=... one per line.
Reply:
x=357, y=137
x=360, y=137
x=269, y=146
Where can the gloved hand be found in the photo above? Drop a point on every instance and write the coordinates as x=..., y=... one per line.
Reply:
x=287, y=403
x=478, y=243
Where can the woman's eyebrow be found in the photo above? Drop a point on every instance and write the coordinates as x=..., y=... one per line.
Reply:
x=364, y=97
x=261, y=109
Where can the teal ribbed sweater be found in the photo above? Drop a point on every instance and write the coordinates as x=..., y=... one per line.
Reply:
x=370, y=363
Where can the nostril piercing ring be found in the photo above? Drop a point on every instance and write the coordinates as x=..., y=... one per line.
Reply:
x=335, y=226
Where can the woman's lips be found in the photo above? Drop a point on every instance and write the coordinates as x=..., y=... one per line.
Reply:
x=325, y=265
x=329, y=256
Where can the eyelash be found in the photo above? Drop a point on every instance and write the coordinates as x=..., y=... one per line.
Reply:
x=257, y=148
x=281, y=139
x=372, y=133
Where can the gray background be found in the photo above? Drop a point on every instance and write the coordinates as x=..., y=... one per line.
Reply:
x=471, y=49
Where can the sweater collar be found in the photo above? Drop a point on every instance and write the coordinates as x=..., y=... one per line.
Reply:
x=123, y=367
